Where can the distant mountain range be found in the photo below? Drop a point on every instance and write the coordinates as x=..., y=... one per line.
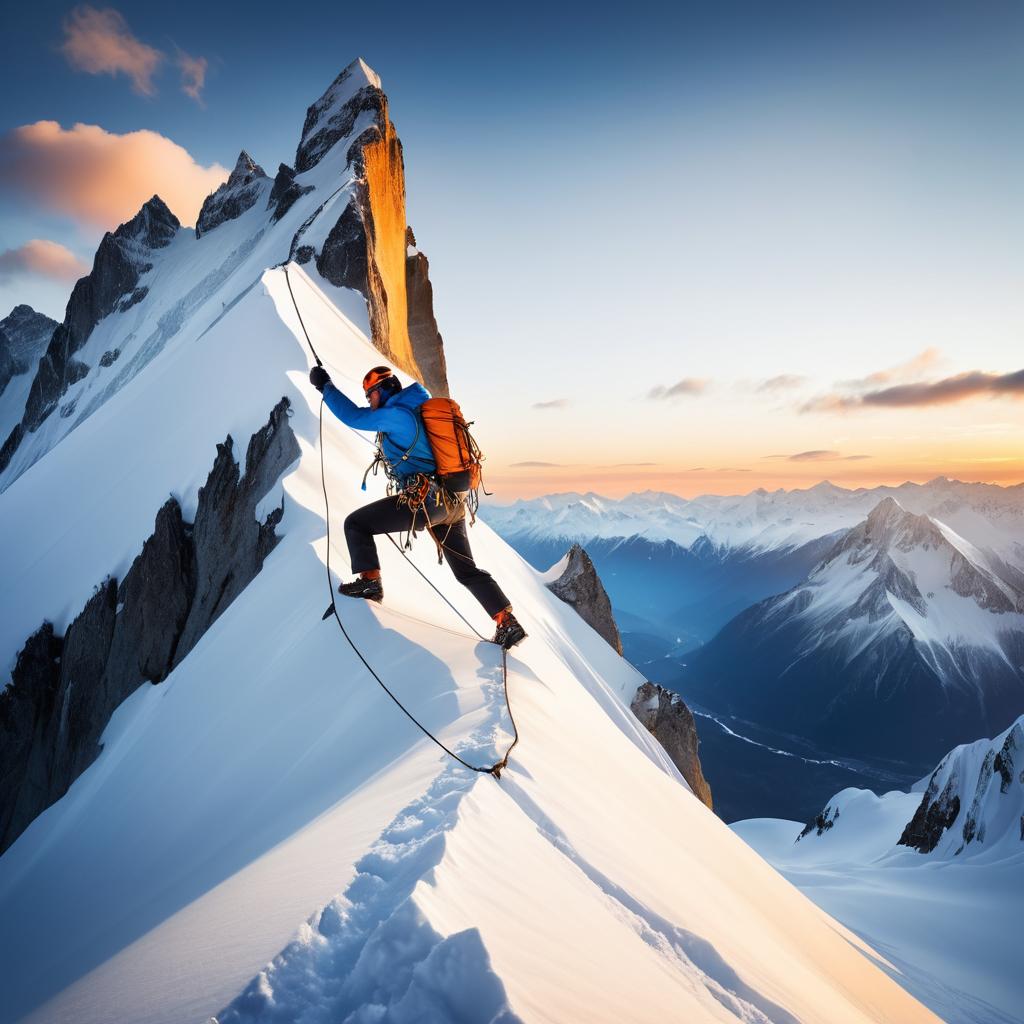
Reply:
x=879, y=623
x=685, y=567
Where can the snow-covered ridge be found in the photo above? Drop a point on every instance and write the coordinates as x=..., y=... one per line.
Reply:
x=268, y=782
x=152, y=282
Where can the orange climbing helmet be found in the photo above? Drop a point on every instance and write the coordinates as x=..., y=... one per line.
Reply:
x=381, y=377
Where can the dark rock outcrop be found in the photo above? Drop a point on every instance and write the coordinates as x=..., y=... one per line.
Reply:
x=64, y=689
x=122, y=257
x=8, y=367
x=821, y=823
x=580, y=586
x=239, y=193
x=284, y=192
x=666, y=716
x=424, y=336
x=936, y=813
x=27, y=333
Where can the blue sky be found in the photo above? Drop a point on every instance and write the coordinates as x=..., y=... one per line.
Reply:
x=619, y=199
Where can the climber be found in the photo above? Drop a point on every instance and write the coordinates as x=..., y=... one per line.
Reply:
x=393, y=413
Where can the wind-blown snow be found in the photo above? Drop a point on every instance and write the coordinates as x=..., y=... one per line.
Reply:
x=265, y=835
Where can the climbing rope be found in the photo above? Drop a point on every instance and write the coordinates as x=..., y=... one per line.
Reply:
x=495, y=769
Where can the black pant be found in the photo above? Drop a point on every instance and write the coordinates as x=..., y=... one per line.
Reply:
x=388, y=516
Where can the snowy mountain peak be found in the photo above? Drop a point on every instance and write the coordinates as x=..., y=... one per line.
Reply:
x=153, y=226
x=26, y=333
x=245, y=185
x=245, y=167
x=332, y=117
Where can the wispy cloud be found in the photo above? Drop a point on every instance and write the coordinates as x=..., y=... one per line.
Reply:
x=924, y=361
x=687, y=387
x=783, y=382
x=100, y=42
x=100, y=177
x=554, y=403
x=44, y=258
x=975, y=384
x=818, y=455
x=193, y=74
x=537, y=465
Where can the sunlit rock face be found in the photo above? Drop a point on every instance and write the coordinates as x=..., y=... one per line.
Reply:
x=366, y=248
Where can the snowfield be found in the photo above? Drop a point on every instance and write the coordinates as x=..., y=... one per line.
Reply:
x=949, y=917
x=266, y=838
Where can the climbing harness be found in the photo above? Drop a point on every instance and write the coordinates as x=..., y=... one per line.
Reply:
x=495, y=769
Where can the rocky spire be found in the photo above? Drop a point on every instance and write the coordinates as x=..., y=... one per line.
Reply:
x=121, y=259
x=580, y=586
x=239, y=193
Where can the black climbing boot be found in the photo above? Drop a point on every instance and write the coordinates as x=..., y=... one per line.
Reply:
x=369, y=590
x=509, y=632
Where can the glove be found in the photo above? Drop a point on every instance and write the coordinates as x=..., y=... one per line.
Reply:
x=319, y=378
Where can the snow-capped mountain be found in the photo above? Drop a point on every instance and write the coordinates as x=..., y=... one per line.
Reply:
x=931, y=876
x=262, y=835
x=904, y=640
x=153, y=280
x=687, y=566
x=990, y=516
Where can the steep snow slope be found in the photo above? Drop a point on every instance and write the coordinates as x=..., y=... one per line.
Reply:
x=949, y=915
x=268, y=781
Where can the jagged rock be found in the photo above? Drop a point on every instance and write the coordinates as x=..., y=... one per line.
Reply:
x=8, y=367
x=666, y=716
x=84, y=703
x=64, y=690
x=26, y=714
x=110, y=357
x=580, y=586
x=425, y=338
x=343, y=258
x=239, y=193
x=154, y=598
x=230, y=543
x=821, y=823
x=27, y=333
x=121, y=259
x=284, y=192
x=933, y=816
x=332, y=117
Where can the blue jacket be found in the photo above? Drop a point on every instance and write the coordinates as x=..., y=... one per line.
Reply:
x=397, y=420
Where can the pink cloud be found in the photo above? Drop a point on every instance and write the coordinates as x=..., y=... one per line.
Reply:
x=100, y=42
x=43, y=257
x=688, y=386
x=193, y=74
x=101, y=177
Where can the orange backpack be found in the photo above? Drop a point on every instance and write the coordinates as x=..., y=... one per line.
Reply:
x=457, y=455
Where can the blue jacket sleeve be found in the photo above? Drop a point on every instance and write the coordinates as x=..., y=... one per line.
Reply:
x=361, y=417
